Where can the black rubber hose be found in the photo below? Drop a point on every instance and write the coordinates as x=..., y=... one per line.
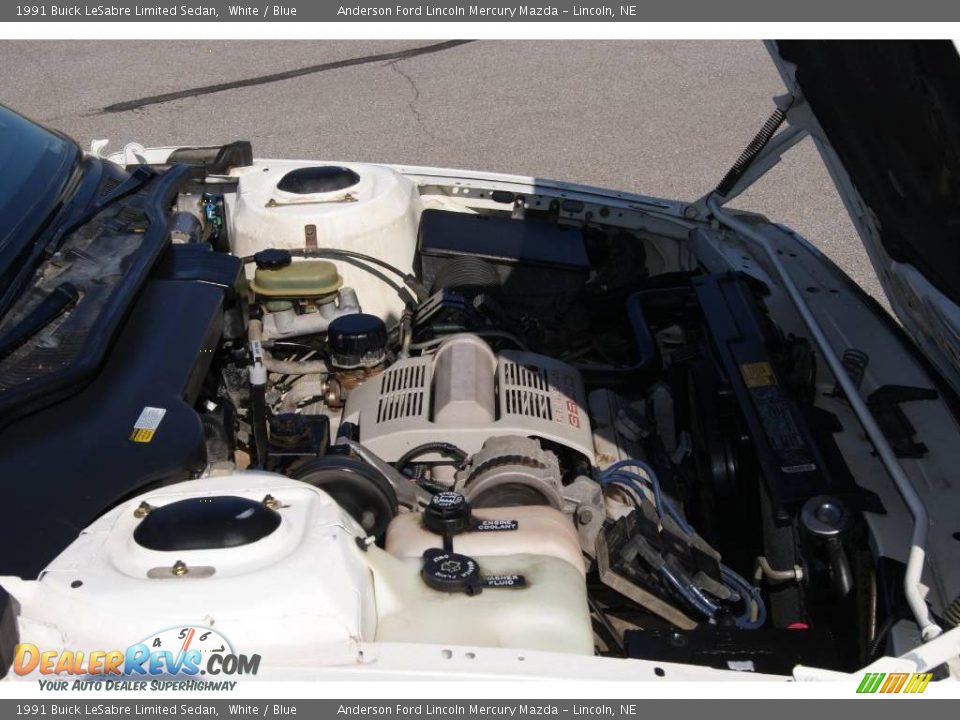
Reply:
x=258, y=418
x=879, y=640
x=467, y=272
x=647, y=367
x=442, y=448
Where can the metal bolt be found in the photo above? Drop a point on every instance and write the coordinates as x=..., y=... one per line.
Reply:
x=310, y=237
x=271, y=502
x=365, y=543
x=180, y=568
x=143, y=509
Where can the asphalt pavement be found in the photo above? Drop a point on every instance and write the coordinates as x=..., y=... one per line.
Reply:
x=663, y=118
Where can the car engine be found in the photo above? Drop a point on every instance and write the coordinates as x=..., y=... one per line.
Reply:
x=439, y=423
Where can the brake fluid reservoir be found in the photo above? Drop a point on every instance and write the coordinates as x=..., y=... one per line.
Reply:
x=305, y=279
x=298, y=205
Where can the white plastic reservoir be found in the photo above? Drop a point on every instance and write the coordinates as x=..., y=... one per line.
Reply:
x=369, y=209
x=540, y=530
x=550, y=613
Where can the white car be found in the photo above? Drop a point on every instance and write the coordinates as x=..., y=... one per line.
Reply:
x=312, y=419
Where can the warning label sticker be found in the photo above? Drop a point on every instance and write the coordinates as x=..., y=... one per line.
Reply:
x=146, y=425
x=758, y=374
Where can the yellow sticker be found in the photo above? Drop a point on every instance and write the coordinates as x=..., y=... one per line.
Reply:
x=758, y=374
x=146, y=425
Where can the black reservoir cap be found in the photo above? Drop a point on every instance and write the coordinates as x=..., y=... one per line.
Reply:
x=448, y=514
x=272, y=259
x=451, y=572
x=358, y=339
x=206, y=523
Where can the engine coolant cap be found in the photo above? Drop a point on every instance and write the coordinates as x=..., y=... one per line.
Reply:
x=451, y=572
x=447, y=514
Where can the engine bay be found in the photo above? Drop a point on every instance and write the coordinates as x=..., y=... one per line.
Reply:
x=537, y=431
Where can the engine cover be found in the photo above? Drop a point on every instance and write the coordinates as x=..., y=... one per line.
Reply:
x=465, y=394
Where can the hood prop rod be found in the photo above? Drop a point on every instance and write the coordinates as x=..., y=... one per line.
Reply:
x=915, y=561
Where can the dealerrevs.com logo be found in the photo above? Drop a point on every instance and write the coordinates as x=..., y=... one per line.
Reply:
x=912, y=683
x=185, y=652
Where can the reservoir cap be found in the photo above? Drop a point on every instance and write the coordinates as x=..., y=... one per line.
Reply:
x=272, y=259
x=451, y=572
x=447, y=514
x=357, y=340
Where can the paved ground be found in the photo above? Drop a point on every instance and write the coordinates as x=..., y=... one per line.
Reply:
x=656, y=117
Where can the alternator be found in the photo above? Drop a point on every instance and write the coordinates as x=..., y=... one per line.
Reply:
x=511, y=471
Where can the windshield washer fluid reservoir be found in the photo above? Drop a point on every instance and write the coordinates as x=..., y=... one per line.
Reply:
x=538, y=530
x=298, y=205
x=548, y=613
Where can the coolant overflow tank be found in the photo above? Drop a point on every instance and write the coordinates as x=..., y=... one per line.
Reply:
x=464, y=379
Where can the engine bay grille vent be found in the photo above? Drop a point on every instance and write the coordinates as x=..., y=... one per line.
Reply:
x=526, y=390
x=403, y=392
x=418, y=400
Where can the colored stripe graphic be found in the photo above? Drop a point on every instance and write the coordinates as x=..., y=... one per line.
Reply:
x=918, y=683
x=870, y=682
x=894, y=682
x=913, y=683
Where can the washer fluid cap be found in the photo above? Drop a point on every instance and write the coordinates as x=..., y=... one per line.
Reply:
x=451, y=572
x=447, y=514
x=319, y=179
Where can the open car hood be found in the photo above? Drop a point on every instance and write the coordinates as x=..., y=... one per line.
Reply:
x=886, y=119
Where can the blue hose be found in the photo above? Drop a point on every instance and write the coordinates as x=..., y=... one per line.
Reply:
x=690, y=593
x=617, y=474
x=663, y=507
x=747, y=593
